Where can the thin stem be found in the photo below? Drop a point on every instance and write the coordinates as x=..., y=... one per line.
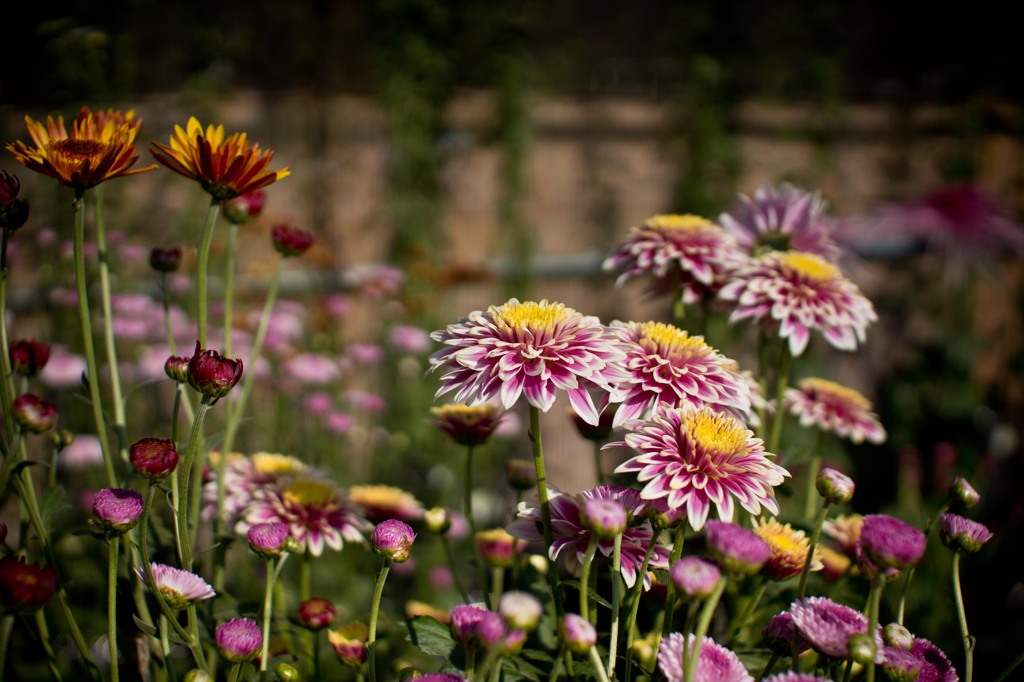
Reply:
x=874, y=605
x=670, y=597
x=781, y=382
x=236, y=668
x=595, y=660
x=545, y=507
x=183, y=474
x=85, y=319
x=818, y=522
x=693, y=655
x=1010, y=668
x=112, y=562
x=6, y=626
x=7, y=390
x=273, y=572
x=378, y=590
x=557, y=665
x=768, y=666
x=961, y=616
x=45, y=640
x=467, y=507
x=748, y=610
x=634, y=605
x=455, y=569
x=812, y=476
x=202, y=264
x=901, y=609
x=588, y=560
x=616, y=598
x=497, y=583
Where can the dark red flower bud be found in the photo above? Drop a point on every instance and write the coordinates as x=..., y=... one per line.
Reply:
x=165, y=260
x=317, y=614
x=9, y=188
x=25, y=587
x=3, y=532
x=291, y=241
x=244, y=208
x=13, y=215
x=154, y=457
x=28, y=357
x=176, y=368
x=34, y=414
x=212, y=374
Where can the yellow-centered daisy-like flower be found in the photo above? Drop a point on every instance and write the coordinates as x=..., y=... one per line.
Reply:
x=224, y=167
x=381, y=502
x=789, y=549
x=99, y=147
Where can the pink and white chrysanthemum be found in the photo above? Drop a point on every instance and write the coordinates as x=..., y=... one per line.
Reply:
x=684, y=253
x=715, y=663
x=572, y=538
x=828, y=625
x=178, y=587
x=528, y=349
x=243, y=476
x=782, y=218
x=698, y=459
x=834, y=408
x=315, y=510
x=801, y=292
x=668, y=367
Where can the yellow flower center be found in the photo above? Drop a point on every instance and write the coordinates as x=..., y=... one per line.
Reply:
x=310, y=493
x=783, y=539
x=381, y=496
x=842, y=393
x=716, y=431
x=809, y=265
x=272, y=464
x=671, y=341
x=76, y=150
x=531, y=315
x=677, y=222
x=465, y=413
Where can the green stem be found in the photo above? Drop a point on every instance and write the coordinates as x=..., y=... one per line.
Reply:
x=273, y=573
x=236, y=668
x=6, y=627
x=588, y=559
x=229, y=287
x=748, y=610
x=781, y=382
x=7, y=389
x=202, y=264
x=595, y=660
x=961, y=616
x=634, y=605
x=497, y=583
x=378, y=590
x=467, y=507
x=901, y=609
x=691, y=656
x=45, y=640
x=112, y=562
x=183, y=474
x=545, y=508
x=874, y=606
x=613, y=642
x=670, y=597
x=85, y=319
x=768, y=666
x=1010, y=668
x=812, y=476
x=818, y=522
x=455, y=569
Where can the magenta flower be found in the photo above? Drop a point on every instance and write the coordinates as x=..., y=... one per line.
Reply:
x=212, y=374
x=736, y=549
x=528, y=349
x=474, y=626
x=571, y=537
x=117, y=509
x=694, y=577
x=667, y=367
x=827, y=625
x=889, y=543
x=682, y=253
x=779, y=635
x=834, y=486
x=834, y=408
x=961, y=534
x=467, y=425
x=696, y=459
x=782, y=218
x=963, y=493
x=577, y=633
x=268, y=539
x=28, y=357
x=153, y=457
x=791, y=676
x=935, y=666
x=714, y=664
x=243, y=476
x=178, y=587
x=239, y=639
x=25, y=586
x=316, y=613
x=314, y=509
x=800, y=292
x=603, y=516
x=392, y=540
x=34, y=414
x=290, y=240
x=899, y=665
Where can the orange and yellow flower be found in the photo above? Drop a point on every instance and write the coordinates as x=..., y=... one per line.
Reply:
x=225, y=167
x=100, y=147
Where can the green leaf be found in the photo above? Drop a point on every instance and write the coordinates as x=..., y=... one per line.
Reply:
x=518, y=669
x=575, y=584
x=52, y=502
x=430, y=636
x=148, y=629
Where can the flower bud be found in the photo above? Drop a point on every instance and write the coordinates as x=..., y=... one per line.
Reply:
x=176, y=368
x=239, y=640
x=291, y=241
x=963, y=493
x=521, y=610
x=212, y=374
x=695, y=578
x=498, y=548
x=268, y=539
x=117, y=510
x=24, y=586
x=736, y=549
x=463, y=623
x=438, y=520
x=889, y=543
x=467, y=424
x=779, y=635
x=317, y=614
x=835, y=487
x=33, y=414
x=244, y=208
x=61, y=438
x=3, y=532
x=349, y=643
x=165, y=260
x=576, y=633
x=961, y=534
x=899, y=665
x=862, y=648
x=521, y=474
x=197, y=675
x=604, y=517
x=29, y=357
x=513, y=643
x=392, y=539
x=153, y=457
x=287, y=672
x=897, y=636
x=10, y=185
x=14, y=215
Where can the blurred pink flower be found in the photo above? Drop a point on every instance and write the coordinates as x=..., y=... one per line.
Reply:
x=782, y=218
x=406, y=338
x=366, y=353
x=339, y=423
x=84, y=452
x=64, y=370
x=312, y=369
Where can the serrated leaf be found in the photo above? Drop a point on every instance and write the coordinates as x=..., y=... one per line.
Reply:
x=430, y=636
x=148, y=629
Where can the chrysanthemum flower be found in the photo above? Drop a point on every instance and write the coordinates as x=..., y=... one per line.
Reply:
x=789, y=549
x=314, y=509
x=467, y=424
x=223, y=167
x=845, y=530
x=239, y=639
x=25, y=586
x=178, y=587
x=528, y=349
x=683, y=253
x=935, y=666
x=834, y=408
x=349, y=643
x=380, y=502
x=962, y=534
x=392, y=540
x=498, y=548
x=695, y=578
x=571, y=537
x=800, y=292
x=899, y=665
x=791, y=676
x=577, y=633
x=117, y=510
x=521, y=610
x=668, y=367
x=243, y=476
x=782, y=218
x=781, y=636
x=715, y=663
x=828, y=625
x=889, y=543
x=100, y=147
x=696, y=459
x=737, y=550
